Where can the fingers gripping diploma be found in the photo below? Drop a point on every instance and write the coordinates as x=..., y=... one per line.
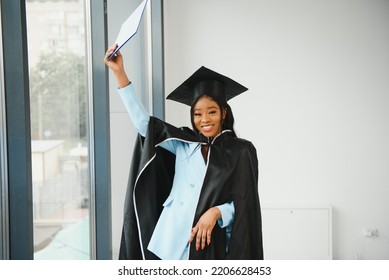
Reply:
x=203, y=230
x=117, y=67
x=116, y=63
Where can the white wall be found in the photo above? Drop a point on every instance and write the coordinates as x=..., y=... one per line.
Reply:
x=317, y=108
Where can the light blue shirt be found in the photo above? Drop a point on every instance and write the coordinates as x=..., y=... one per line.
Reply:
x=173, y=229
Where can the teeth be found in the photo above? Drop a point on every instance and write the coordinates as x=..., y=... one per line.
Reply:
x=207, y=128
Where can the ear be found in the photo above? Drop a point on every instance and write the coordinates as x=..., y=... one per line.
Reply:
x=224, y=113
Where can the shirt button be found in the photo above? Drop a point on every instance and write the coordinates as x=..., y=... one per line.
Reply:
x=192, y=185
x=182, y=203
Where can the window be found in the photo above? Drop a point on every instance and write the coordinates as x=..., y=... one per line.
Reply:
x=59, y=130
x=28, y=121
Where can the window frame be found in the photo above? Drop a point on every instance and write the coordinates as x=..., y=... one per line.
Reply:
x=17, y=121
x=19, y=242
x=101, y=222
x=3, y=161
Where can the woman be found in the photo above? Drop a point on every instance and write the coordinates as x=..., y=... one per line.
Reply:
x=191, y=194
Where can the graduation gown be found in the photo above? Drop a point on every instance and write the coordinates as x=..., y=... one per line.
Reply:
x=231, y=175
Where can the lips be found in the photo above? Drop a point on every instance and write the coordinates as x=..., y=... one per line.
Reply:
x=207, y=128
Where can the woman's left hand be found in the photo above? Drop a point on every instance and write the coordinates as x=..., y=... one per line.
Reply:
x=203, y=229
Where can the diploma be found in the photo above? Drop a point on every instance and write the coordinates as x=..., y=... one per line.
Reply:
x=129, y=28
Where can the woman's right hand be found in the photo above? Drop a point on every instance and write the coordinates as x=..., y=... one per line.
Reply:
x=117, y=67
x=116, y=62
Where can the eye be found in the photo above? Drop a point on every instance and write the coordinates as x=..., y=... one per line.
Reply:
x=197, y=114
x=213, y=112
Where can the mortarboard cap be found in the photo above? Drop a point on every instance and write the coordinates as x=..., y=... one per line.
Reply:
x=206, y=82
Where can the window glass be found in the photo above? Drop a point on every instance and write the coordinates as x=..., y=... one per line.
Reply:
x=59, y=129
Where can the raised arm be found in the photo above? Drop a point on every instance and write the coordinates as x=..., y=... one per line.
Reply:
x=137, y=112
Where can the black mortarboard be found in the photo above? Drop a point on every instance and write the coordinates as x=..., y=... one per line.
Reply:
x=206, y=82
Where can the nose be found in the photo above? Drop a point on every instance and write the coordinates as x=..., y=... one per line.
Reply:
x=204, y=118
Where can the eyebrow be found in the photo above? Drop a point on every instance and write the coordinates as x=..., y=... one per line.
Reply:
x=208, y=108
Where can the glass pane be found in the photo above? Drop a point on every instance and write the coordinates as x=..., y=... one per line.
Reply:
x=58, y=98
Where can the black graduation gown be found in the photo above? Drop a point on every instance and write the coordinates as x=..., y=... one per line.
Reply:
x=232, y=175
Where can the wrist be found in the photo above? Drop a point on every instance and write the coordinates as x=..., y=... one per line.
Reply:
x=217, y=213
x=123, y=84
x=122, y=79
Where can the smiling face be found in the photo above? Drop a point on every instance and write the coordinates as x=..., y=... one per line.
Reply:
x=207, y=117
